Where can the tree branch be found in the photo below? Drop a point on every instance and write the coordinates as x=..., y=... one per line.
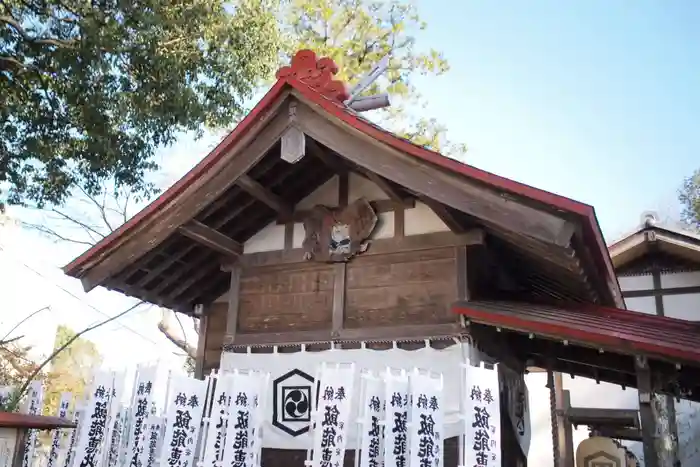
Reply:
x=36, y=40
x=179, y=342
x=31, y=377
x=2, y=339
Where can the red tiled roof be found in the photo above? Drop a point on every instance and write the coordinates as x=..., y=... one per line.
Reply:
x=625, y=331
x=313, y=79
x=37, y=422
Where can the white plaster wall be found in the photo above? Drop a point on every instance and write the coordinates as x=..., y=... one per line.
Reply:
x=418, y=220
x=686, y=306
x=680, y=279
x=641, y=304
x=636, y=282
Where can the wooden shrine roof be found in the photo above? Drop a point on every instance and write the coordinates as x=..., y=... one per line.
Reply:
x=591, y=341
x=37, y=422
x=666, y=246
x=170, y=253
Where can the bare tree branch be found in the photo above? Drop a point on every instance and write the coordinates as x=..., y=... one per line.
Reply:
x=31, y=377
x=181, y=343
x=2, y=340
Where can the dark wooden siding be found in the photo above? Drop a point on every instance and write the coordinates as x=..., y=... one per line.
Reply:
x=401, y=288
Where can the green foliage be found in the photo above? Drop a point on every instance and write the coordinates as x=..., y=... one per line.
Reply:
x=91, y=89
x=689, y=196
x=71, y=369
x=357, y=34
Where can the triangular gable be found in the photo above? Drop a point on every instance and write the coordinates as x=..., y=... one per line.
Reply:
x=308, y=98
x=653, y=237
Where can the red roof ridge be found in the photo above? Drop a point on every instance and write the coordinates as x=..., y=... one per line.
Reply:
x=316, y=73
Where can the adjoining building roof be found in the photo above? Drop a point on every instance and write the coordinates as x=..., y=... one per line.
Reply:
x=310, y=81
x=613, y=337
x=35, y=422
x=653, y=236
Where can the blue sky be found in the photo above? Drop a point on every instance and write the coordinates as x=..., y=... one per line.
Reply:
x=595, y=100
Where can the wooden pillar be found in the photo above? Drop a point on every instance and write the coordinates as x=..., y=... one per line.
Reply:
x=565, y=442
x=646, y=412
x=233, y=303
x=200, y=359
x=665, y=405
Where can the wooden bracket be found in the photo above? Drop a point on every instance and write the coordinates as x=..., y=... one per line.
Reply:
x=259, y=192
x=211, y=238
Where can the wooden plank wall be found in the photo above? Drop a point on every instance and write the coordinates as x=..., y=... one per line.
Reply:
x=376, y=291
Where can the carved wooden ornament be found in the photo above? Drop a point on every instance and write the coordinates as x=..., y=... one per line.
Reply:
x=337, y=234
x=316, y=73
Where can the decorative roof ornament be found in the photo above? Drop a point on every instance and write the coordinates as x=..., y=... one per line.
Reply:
x=316, y=73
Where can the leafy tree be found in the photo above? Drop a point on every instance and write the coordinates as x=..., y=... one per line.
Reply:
x=71, y=369
x=357, y=34
x=91, y=89
x=16, y=363
x=689, y=196
x=354, y=33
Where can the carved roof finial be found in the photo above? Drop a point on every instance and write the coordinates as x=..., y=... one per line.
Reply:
x=316, y=73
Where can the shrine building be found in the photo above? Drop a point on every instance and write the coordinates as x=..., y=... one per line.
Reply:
x=310, y=227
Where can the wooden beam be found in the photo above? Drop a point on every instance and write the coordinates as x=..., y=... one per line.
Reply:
x=261, y=193
x=450, y=189
x=233, y=304
x=627, y=434
x=379, y=206
x=343, y=189
x=211, y=238
x=339, y=276
x=278, y=338
x=399, y=220
x=401, y=332
x=377, y=247
x=444, y=214
x=611, y=417
x=240, y=157
x=384, y=185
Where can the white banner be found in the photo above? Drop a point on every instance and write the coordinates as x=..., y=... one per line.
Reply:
x=58, y=435
x=371, y=418
x=426, y=420
x=114, y=449
x=333, y=414
x=113, y=414
x=8, y=441
x=143, y=398
x=154, y=429
x=185, y=404
x=77, y=418
x=482, y=418
x=32, y=406
x=214, y=445
x=396, y=421
x=93, y=421
x=243, y=421
x=293, y=378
